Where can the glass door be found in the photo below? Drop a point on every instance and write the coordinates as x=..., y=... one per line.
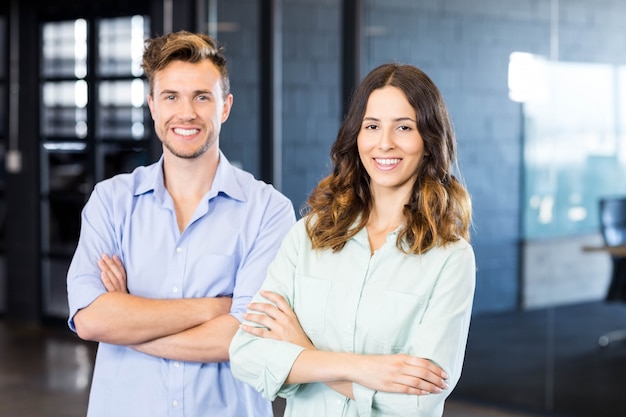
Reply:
x=93, y=113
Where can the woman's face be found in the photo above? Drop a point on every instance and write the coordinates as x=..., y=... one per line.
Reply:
x=390, y=146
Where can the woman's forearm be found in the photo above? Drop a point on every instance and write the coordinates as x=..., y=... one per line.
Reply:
x=388, y=373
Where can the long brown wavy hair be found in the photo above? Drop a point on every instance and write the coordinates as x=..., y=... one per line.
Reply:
x=439, y=210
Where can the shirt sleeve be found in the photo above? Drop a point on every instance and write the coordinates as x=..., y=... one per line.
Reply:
x=266, y=238
x=440, y=336
x=97, y=236
x=265, y=363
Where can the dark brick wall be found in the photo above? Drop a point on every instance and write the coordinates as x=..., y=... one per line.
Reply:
x=239, y=34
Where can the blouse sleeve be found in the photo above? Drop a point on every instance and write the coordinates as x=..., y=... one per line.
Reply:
x=440, y=335
x=265, y=363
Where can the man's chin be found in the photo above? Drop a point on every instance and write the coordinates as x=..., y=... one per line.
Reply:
x=186, y=154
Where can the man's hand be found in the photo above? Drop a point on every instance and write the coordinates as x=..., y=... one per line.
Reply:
x=278, y=321
x=113, y=273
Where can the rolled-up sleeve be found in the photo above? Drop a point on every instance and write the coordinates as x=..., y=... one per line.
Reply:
x=96, y=237
x=266, y=363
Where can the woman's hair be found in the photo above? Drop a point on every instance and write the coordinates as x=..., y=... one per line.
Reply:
x=183, y=46
x=439, y=209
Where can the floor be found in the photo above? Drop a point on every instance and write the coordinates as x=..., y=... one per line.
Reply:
x=528, y=364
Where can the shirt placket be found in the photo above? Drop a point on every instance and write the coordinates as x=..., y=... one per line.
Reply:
x=348, y=325
x=176, y=369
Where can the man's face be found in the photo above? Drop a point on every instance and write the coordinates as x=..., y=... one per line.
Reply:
x=188, y=107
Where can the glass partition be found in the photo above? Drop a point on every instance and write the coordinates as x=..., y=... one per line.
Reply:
x=574, y=136
x=122, y=110
x=93, y=126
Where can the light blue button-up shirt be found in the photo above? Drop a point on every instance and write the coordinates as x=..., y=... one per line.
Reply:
x=224, y=251
x=352, y=301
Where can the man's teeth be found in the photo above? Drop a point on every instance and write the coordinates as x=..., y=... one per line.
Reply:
x=185, y=132
x=387, y=161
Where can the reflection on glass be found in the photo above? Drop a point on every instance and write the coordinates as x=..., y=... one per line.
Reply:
x=66, y=168
x=65, y=179
x=64, y=50
x=121, y=112
x=574, y=138
x=64, y=109
x=120, y=45
x=118, y=159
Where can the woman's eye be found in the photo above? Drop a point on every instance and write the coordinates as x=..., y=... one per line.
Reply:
x=404, y=128
x=371, y=127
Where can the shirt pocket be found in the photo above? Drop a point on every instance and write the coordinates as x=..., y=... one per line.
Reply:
x=311, y=298
x=390, y=319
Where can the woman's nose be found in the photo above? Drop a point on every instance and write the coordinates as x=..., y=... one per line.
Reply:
x=386, y=140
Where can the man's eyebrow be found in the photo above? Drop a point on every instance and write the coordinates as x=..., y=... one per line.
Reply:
x=197, y=92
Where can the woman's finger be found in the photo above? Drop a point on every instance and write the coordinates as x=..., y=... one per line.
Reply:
x=268, y=309
x=277, y=299
x=261, y=319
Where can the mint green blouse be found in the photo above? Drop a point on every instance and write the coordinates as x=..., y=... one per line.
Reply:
x=352, y=301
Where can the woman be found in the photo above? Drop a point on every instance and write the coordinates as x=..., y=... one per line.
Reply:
x=365, y=310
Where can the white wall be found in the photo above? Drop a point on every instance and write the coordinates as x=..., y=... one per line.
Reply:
x=558, y=272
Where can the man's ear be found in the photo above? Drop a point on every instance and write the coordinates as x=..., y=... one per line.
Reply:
x=228, y=104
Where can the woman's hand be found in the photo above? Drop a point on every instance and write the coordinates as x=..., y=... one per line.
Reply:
x=394, y=373
x=278, y=321
x=112, y=273
x=400, y=373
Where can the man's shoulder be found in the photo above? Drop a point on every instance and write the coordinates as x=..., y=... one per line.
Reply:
x=140, y=177
x=251, y=185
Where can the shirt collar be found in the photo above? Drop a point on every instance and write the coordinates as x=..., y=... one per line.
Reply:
x=225, y=181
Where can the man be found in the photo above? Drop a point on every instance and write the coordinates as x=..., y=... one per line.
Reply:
x=170, y=254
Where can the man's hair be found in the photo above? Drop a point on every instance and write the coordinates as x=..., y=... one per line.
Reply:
x=183, y=46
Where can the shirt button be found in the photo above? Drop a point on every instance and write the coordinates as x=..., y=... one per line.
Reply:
x=339, y=402
x=176, y=364
x=175, y=403
x=174, y=289
x=179, y=250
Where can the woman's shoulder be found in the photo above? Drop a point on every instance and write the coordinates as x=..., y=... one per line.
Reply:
x=459, y=245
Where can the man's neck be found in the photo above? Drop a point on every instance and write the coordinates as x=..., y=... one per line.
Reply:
x=189, y=177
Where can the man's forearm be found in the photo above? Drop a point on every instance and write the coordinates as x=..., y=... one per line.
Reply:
x=207, y=342
x=124, y=319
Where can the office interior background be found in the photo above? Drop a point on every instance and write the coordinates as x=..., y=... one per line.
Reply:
x=534, y=87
